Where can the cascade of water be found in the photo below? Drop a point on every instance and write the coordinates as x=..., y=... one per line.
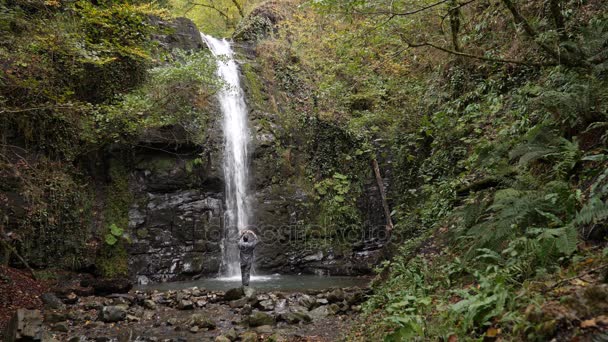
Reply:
x=235, y=162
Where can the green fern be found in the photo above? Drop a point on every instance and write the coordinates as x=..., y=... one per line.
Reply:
x=594, y=211
x=545, y=144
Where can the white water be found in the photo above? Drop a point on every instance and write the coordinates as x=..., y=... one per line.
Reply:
x=235, y=162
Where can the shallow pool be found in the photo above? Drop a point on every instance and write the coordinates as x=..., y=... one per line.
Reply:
x=274, y=282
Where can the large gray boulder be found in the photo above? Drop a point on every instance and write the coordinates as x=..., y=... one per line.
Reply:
x=113, y=313
x=26, y=325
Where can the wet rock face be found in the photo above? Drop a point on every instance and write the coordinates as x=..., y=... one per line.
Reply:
x=179, y=33
x=176, y=219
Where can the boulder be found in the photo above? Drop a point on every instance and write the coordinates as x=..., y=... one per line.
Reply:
x=246, y=310
x=61, y=327
x=231, y=334
x=54, y=317
x=238, y=303
x=200, y=321
x=320, y=312
x=335, y=296
x=233, y=294
x=26, y=325
x=258, y=318
x=276, y=338
x=249, y=336
x=113, y=313
x=149, y=304
x=264, y=329
x=51, y=301
x=295, y=317
x=222, y=338
x=308, y=302
x=185, y=305
x=266, y=305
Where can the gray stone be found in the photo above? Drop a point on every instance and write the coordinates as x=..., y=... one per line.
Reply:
x=249, y=291
x=131, y=318
x=231, y=334
x=320, y=312
x=314, y=257
x=233, y=294
x=201, y=321
x=222, y=338
x=322, y=301
x=246, y=310
x=258, y=318
x=266, y=305
x=149, y=304
x=185, y=305
x=55, y=317
x=26, y=325
x=249, y=336
x=295, y=317
x=264, y=329
x=238, y=303
x=61, y=327
x=51, y=301
x=308, y=302
x=335, y=296
x=114, y=313
x=355, y=298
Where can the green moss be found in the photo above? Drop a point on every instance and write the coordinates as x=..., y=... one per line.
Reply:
x=254, y=85
x=112, y=260
x=158, y=165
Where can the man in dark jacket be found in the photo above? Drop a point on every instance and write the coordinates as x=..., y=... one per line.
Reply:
x=247, y=244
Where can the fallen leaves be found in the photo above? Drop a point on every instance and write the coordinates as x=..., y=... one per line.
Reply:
x=594, y=322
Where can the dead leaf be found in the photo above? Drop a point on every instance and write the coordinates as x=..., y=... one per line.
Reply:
x=590, y=323
x=453, y=338
x=492, y=332
x=603, y=320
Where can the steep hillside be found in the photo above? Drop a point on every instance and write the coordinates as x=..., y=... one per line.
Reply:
x=489, y=128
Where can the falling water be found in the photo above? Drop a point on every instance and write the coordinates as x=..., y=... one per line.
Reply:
x=235, y=163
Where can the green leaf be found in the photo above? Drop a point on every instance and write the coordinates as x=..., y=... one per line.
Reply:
x=115, y=230
x=111, y=239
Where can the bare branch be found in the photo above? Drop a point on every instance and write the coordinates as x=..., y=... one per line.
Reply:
x=239, y=7
x=220, y=12
x=483, y=58
x=520, y=20
x=412, y=12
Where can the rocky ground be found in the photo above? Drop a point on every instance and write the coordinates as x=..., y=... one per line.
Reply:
x=110, y=311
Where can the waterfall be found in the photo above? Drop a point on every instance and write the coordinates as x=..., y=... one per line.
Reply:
x=235, y=161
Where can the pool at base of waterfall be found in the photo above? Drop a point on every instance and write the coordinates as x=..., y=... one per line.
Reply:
x=273, y=282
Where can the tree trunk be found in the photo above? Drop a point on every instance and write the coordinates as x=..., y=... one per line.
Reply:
x=387, y=211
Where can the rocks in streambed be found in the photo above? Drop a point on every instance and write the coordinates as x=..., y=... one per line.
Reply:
x=51, y=301
x=149, y=304
x=234, y=294
x=249, y=336
x=200, y=321
x=26, y=325
x=185, y=305
x=113, y=313
x=259, y=318
x=294, y=317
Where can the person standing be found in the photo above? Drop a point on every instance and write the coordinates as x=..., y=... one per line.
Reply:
x=247, y=243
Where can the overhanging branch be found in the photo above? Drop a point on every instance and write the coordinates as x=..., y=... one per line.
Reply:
x=483, y=58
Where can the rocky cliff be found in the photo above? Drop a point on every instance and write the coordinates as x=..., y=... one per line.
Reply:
x=177, y=213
